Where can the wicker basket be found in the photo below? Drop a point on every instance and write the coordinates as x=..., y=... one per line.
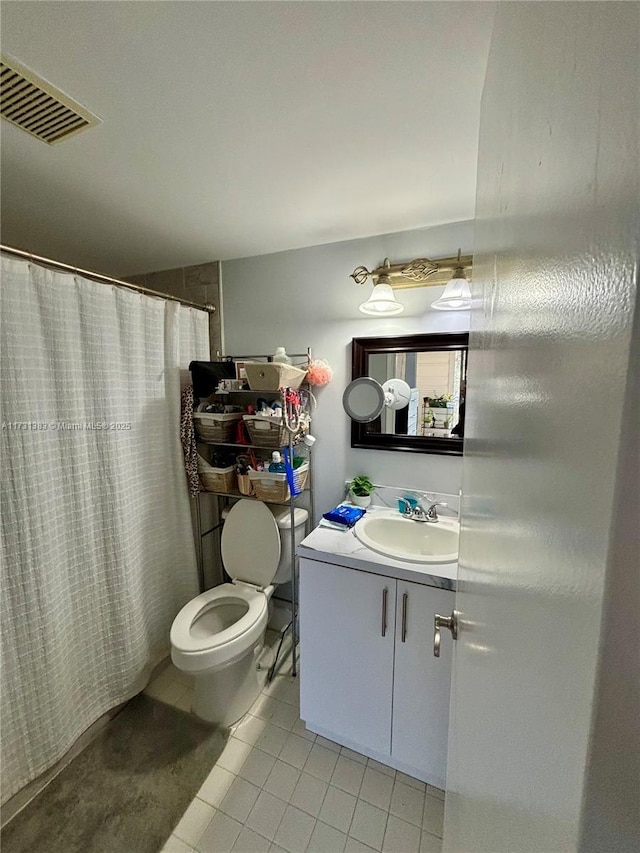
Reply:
x=245, y=486
x=213, y=427
x=218, y=479
x=271, y=376
x=274, y=487
x=266, y=431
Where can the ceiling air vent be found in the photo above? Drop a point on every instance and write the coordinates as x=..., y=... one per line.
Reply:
x=36, y=106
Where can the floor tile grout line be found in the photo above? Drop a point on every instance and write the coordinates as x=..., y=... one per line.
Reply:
x=272, y=840
x=357, y=796
x=433, y=834
x=215, y=811
x=324, y=795
x=386, y=824
x=279, y=703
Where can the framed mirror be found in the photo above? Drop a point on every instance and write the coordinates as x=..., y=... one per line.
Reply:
x=435, y=368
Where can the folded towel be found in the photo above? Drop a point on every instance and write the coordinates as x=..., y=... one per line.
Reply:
x=331, y=525
x=344, y=514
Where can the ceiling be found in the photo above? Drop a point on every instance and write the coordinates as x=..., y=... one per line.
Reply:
x=232, y=129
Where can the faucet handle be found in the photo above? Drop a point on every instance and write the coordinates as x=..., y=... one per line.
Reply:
x=431, y=513
x=405, y=507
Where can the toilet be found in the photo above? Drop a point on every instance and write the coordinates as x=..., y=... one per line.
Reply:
x=218, y=637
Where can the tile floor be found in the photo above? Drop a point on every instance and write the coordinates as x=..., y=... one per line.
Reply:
x=278, y=788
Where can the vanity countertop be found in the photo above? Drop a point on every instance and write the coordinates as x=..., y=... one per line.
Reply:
x=342, y=548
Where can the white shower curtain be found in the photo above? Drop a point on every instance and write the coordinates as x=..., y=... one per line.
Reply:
x=97, y=548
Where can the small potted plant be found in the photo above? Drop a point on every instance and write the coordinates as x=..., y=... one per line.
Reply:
x=360, y=490
x=438, y=401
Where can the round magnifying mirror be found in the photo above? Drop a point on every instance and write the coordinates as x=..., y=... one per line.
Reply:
x=363, y=400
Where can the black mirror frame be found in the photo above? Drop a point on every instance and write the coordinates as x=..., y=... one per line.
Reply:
x=361, y=349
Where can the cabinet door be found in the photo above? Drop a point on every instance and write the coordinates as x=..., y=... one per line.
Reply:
x=421, y=681
x=346, y=658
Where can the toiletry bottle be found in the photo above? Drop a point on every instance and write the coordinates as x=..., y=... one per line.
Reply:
x=277, y=465
x=302, y=451
x=280, y=355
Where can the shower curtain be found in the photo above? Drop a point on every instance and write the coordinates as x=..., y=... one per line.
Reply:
x=97, y=547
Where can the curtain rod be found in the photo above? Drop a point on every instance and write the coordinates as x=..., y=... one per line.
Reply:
x=105, y=279
x=306, y=354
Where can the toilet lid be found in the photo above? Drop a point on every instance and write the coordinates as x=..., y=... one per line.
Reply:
x=251, y=543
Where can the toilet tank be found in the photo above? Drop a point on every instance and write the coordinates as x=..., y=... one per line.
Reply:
x=282, y=515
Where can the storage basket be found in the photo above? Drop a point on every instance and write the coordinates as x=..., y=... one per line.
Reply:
x=266, y=431
x=245, y=486
x=216, y=479
x=214, y=427
x=263, y=376
x=274, y=487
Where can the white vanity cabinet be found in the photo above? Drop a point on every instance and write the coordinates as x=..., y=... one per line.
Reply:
x=346, y=652
x=421, y=682
x=368, y=677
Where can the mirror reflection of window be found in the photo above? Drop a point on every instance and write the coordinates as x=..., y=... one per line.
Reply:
x=439, y=383
x=437, y=391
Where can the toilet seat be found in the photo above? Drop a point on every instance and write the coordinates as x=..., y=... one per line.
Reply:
x=192, y=651
x=250, y=543
x=232, y=616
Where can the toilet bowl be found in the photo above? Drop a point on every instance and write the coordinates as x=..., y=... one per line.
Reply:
x=218, y=637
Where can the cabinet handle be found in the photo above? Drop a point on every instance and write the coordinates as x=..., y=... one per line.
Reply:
x=385, y=595
x=449, y=622
x=405, y=598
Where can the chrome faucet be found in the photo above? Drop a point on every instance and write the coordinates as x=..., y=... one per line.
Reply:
x=418, y=513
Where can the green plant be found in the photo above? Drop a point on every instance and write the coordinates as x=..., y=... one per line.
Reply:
x=361, y=486
x=438, y=401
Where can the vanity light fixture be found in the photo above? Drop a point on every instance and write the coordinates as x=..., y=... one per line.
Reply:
x=382, y=300
x=421, y=272
x=457, y=293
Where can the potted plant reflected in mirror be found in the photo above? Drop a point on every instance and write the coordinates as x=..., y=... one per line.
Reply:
x=360, y=490
x=438, y=401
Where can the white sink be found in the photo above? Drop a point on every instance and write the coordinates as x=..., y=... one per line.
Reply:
x=405, y=539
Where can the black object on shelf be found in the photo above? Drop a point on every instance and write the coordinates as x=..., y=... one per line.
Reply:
x=207, y=374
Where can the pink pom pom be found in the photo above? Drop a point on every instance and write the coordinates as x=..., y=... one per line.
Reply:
x=319, y=372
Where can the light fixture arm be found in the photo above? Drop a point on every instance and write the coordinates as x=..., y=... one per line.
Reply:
x=421, y=272
x=458, y=271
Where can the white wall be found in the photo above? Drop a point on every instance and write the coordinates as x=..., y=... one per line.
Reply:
x=305, y=298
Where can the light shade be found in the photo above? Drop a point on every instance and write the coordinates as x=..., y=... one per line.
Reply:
x=382, y=302
x=456, y=296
